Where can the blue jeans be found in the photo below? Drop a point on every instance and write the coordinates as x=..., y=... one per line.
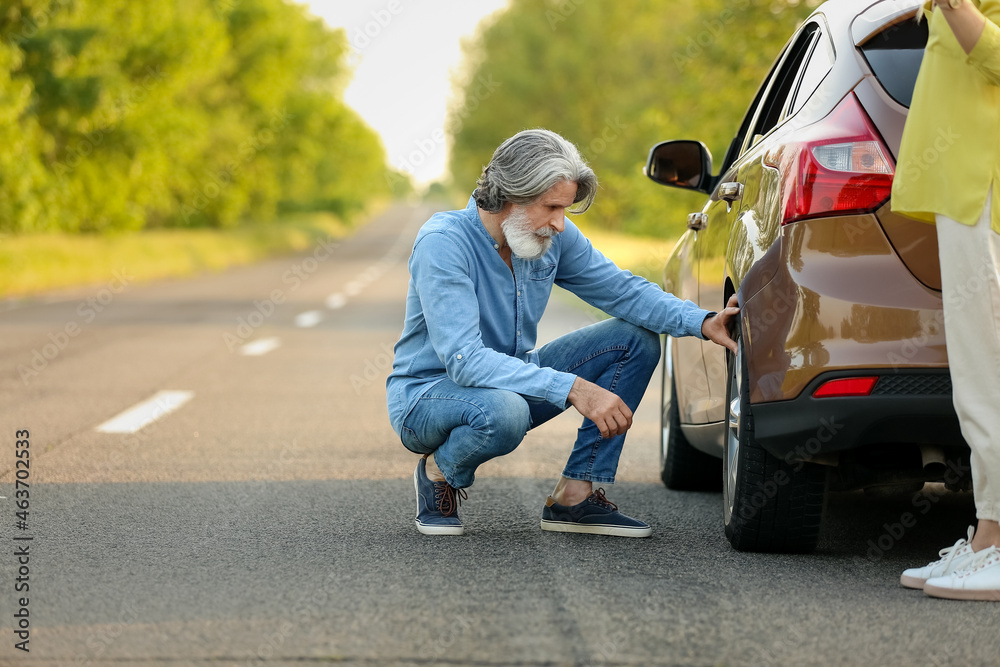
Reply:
x=466, y=426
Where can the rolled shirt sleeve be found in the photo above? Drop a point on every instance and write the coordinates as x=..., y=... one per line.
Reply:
x=985, y=55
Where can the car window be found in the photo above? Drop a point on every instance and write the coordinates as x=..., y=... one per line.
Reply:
x=770, y=111
x=894, y=56
x=737, y=144
x=818, y=65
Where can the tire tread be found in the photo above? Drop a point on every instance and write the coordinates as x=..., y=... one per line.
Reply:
x=787, y=521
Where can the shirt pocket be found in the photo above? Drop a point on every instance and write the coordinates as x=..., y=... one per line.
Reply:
x=543, y=273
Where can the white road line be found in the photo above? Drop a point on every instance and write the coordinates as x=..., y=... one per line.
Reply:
x=310, y=318
x=375, y=271
x=161, y=404
x=258, y=347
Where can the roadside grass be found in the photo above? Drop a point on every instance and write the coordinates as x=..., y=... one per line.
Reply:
x=642, y=255
x=32, y=263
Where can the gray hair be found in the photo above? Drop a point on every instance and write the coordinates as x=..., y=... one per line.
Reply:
x=525, y=166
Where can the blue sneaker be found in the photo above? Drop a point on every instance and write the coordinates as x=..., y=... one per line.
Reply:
x=437, y=511
x=596, y=515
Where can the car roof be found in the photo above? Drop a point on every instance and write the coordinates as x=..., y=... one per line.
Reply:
x=846, y=24
x=853, y=21
x=850, y=23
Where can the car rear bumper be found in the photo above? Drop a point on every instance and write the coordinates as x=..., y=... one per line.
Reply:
x=911, y=406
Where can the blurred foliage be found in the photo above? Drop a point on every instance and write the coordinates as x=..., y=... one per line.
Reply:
x=122, y=115
x=615, y=79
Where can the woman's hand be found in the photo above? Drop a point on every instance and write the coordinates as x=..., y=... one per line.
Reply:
x=966, y=22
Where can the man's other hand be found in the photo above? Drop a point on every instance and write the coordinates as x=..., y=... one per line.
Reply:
x=608, y=412
x=716, y=328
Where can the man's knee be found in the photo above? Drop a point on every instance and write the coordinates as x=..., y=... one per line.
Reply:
x=504, y=420
x=644, y=344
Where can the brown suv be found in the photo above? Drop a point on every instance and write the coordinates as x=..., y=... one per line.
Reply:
x=841, y=379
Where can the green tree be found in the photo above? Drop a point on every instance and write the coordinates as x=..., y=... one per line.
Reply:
x=22, y=173
x=616, y=78
x=123, y=115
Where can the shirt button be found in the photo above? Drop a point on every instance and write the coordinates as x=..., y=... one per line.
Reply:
x=496, y=246
x=518, y=333
x=519, y=292
x=458, y=356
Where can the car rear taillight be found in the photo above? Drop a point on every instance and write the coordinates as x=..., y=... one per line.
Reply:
x=838, y=165
x=859, y=386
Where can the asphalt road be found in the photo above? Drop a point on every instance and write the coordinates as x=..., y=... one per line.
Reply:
x=267, y=513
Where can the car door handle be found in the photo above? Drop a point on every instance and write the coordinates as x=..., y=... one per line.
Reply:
x=731, y=191
x=697, y=221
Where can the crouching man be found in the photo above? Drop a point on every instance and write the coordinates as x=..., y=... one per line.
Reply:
x=467, y=382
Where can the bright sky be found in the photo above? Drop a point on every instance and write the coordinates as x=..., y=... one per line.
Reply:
x=405, y=53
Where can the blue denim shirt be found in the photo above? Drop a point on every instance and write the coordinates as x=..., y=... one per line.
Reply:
x=470, y=319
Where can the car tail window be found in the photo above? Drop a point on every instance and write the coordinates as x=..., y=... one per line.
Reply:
x=819, y=65
x=781, y=83
x=894, y=55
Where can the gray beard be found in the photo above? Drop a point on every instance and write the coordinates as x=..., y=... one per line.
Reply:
x=523, y=241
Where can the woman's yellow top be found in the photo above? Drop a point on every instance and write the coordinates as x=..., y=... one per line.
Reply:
x=950, y=154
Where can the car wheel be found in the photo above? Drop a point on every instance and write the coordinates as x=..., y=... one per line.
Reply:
x=682, y=467
x=768, y=504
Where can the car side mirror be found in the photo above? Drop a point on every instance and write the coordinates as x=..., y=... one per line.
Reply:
x=681, y=164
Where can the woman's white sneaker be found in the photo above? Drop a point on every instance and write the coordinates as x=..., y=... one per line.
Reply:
x=980, y=580
x=952, y=559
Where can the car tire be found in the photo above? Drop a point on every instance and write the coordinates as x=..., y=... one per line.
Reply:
x=769, y=505
x=682, y=467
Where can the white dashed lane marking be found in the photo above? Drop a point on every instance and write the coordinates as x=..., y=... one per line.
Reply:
x=159, y=405
x=396, y=252
x=258, y=347
x=310, y=318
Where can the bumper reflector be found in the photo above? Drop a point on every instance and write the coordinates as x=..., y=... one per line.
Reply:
x=861, y=386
